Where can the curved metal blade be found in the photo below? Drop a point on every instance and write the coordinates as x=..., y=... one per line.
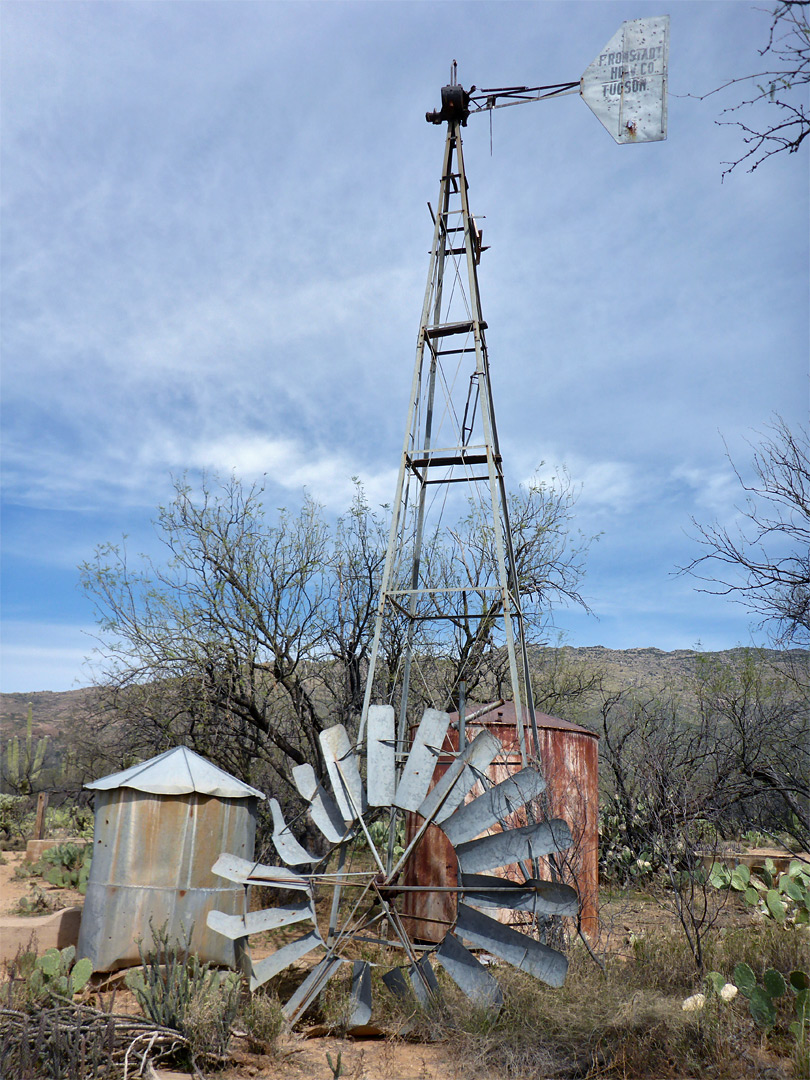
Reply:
x=381, y=741
x=493, y=806
x=538, y=897
x=282, y=958
x=234, y=868
x=309, y=989
x=322, y=807
x=418, y=772
x=285, y=843
x=423, y=980
x=515, y=948
x=254, y=922
x=460, y=778
x=467, y=973
x=396, y=982
x=513, y=845
x=341, y=764
x=361, y=994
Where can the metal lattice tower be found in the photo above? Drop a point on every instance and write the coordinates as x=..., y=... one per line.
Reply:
x=451, y=438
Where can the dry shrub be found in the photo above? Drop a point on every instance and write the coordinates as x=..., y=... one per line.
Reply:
x=263, y=1021
x=176, y=990
x=209, y=1014
x=15, y=988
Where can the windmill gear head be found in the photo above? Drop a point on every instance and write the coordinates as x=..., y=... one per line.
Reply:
x=455, y=105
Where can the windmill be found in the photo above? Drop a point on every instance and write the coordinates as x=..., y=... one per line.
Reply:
x=471, y=604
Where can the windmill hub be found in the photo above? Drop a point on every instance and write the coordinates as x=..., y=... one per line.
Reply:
x=455, y=105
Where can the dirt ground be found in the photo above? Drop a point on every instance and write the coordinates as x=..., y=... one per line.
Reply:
x=361, y=1059
x=13, y=888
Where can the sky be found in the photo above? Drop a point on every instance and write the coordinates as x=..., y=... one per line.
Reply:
x=214, y=247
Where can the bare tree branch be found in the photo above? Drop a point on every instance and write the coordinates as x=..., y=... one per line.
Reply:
x=780, y=86
x=764, y=561
x=254, y=635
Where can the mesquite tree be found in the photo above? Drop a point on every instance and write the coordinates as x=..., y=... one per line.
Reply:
x=253, y=635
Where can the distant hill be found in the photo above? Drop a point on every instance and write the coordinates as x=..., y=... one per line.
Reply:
x=52, y=712
x=55, y=714
x=643, y=666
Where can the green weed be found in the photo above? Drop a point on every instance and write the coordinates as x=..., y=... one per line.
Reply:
x=176, y=990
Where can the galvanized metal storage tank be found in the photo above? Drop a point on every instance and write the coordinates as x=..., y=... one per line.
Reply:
x=159, y=828
x=569, y=762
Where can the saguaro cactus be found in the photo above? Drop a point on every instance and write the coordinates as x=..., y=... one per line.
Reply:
x=24, y=760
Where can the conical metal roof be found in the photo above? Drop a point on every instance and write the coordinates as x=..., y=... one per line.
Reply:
x=178, y=772
x=504, y=713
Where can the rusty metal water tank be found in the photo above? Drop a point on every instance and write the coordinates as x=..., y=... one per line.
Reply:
x=159, y=828
x=569, y=761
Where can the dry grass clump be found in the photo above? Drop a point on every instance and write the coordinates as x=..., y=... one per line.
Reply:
x=596, y=1025
x=765, y=945
x=263, y=1020
x=661, y=961
x=628, y=1021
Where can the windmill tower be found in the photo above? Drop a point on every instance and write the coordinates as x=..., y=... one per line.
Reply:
x=472, y=605
x=451, y=435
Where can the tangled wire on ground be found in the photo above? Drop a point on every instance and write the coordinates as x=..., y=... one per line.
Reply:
x=79, y=1041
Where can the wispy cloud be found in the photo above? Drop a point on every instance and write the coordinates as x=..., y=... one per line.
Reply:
x=600, y=487
x=287, y=464
x=716, y=490
x=45, y=656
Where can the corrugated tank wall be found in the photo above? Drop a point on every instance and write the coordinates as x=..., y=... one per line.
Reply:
x=569, y=759
x=152, y=859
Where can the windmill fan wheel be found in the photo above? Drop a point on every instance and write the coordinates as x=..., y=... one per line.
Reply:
x=370, y=897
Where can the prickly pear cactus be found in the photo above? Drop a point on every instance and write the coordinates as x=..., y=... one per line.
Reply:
x=800, y=985
x=760, y=998
x=71, y=866
x=58, y=974
x=782, y=897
